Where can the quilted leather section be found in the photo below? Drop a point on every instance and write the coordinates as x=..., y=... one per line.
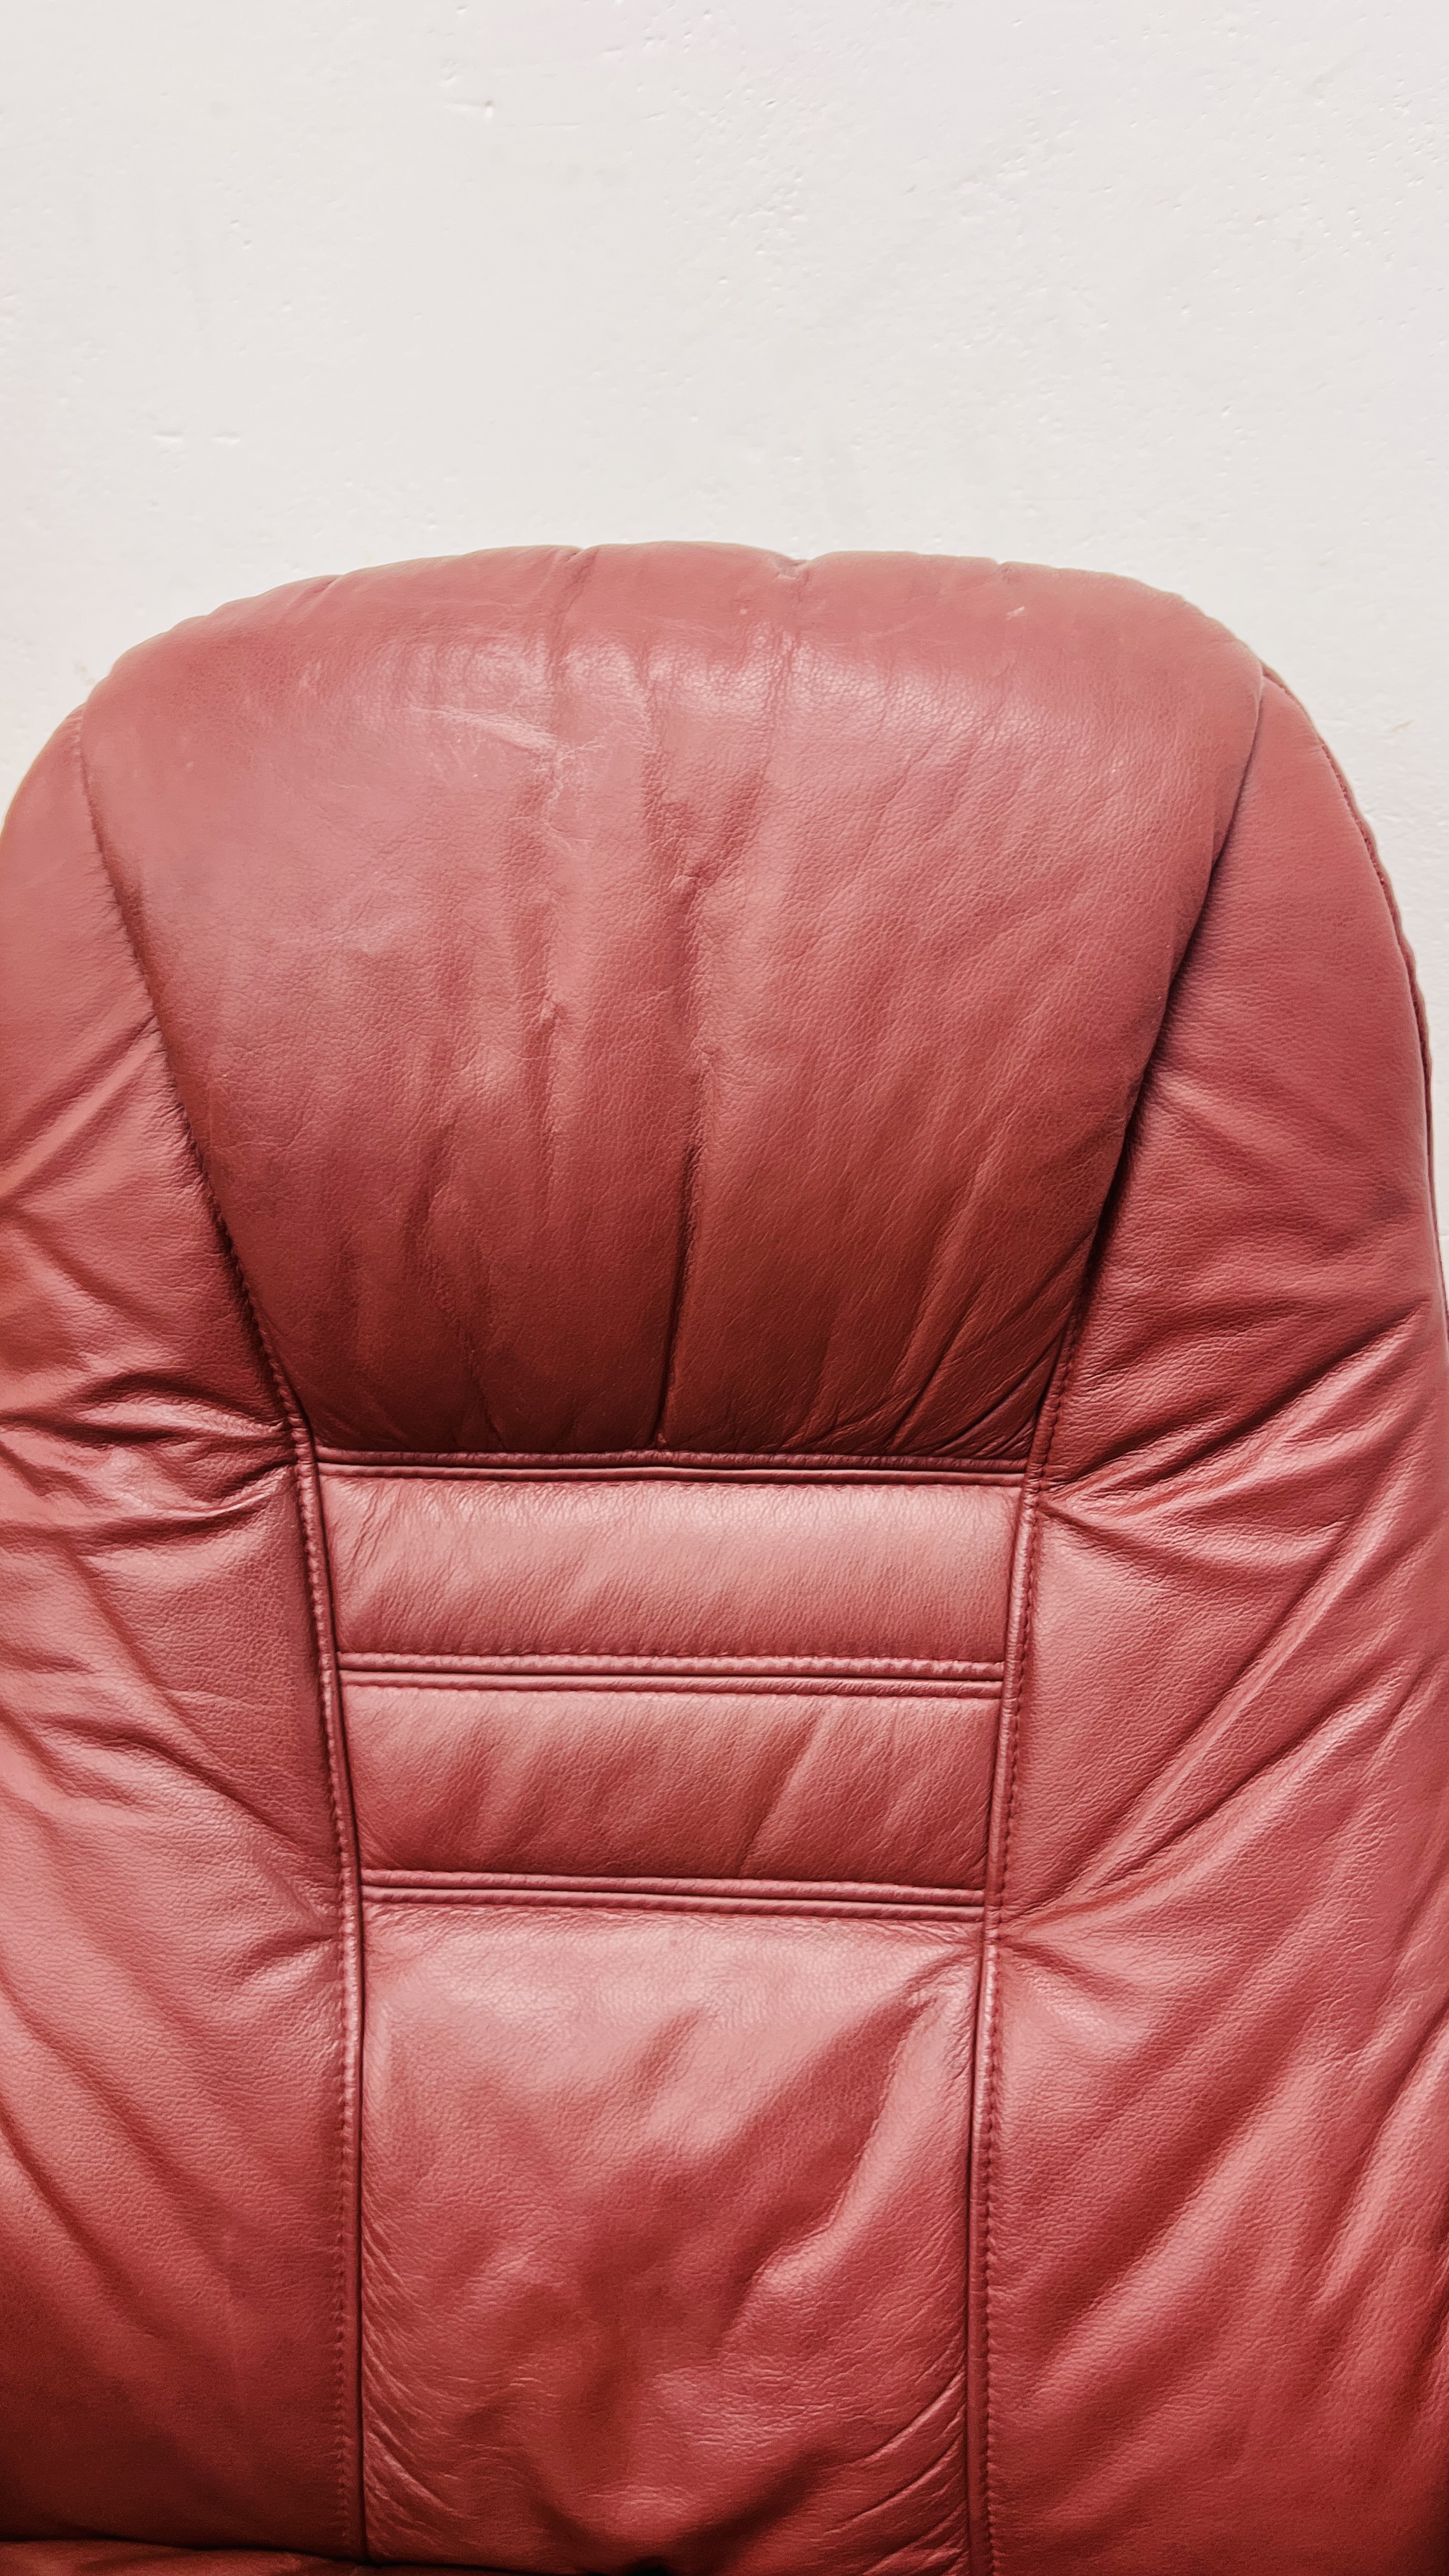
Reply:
x=672, y=1673
x=671, y=1782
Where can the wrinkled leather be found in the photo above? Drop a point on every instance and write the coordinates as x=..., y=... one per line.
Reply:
x=724, y=1794
x=675, y=927
x=174, y=2196
x=1212, y=2298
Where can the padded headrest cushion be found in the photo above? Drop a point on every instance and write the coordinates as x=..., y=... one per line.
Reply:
x=668, y=996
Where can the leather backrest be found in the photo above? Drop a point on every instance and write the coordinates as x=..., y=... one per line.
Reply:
x=723, y=1527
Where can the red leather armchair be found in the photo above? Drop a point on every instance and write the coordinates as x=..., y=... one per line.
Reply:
x=724, y=1747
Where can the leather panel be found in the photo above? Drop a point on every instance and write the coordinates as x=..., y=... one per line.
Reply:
x=671, y=1788
x=672, y=1674
x=881, y=1572
x=177, y=2294
x=673, y=940
x=1217, y=2309
x=681, y=1777
x=663, y=2246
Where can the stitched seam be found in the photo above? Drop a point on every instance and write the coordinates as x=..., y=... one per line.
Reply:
x=636, y=1467
x=797, y=1908
x=559, y=1685
x=965, y=1908
x=777, y=1887
x=505, y=1662
x=539, y=1659
x=1029, y=1527
x=343, y=1810
x=1031, y=1538
x=329, y=1698
x=678, y=1685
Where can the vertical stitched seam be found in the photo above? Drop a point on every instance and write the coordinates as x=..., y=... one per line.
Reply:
x=1030, y=1537
x=347, y=1950
x=1030, y=1542
x=352, y=1987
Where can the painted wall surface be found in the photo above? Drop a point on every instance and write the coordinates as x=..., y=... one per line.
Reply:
x=1154, y=285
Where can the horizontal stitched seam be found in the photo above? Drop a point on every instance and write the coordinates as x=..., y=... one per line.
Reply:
x=774, y=1896
x=704, y=1671
x=625, y=1470
x=676, y=1686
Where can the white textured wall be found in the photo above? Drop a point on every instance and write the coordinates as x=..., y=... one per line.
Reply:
x=295, y=284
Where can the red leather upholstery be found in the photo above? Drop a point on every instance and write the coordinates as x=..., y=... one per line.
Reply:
x=724, y=1739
